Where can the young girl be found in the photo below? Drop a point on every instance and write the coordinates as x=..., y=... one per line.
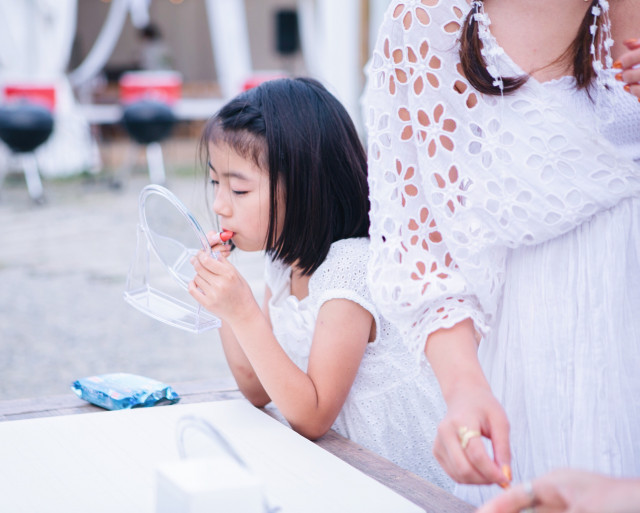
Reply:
x=289, y=177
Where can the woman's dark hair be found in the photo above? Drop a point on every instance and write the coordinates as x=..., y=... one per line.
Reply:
x=474, y=65
x=300, y=134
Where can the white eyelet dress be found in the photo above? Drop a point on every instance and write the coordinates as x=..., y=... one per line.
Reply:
x=393, y=407
x=522, y=213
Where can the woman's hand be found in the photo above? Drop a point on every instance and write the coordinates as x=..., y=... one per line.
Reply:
x=219, y=287
x=629, y=66
x=569, y=490
x=473, y=412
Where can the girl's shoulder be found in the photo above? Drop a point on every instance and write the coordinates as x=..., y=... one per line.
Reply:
x=347, y=251
x=344, y=267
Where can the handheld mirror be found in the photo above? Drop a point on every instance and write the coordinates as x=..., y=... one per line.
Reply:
x=157, y=284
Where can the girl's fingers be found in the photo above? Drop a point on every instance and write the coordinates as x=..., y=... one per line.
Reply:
x=196, y=292
x=219, y=238
x=202, y=261
x=214, y=238
x=201, y=283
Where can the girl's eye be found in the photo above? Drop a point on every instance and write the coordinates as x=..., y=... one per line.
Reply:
x=239, y=193
x=215, y=183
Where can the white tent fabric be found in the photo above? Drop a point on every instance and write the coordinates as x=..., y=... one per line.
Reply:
x=35, y=44
x=36, y=37
x=330, y=35
x=228, y=29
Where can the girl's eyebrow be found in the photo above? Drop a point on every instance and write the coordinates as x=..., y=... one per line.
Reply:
x=230, y=174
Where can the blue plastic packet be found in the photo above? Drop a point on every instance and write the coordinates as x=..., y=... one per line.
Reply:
x=121, y=391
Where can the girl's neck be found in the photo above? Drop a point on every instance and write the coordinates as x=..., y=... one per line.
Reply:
x=299, y=283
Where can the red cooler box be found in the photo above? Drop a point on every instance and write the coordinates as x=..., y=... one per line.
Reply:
x=42, y=94
x=162, y=86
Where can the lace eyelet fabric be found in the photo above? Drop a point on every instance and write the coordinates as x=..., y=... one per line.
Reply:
x=394, y=406
x=477, y=198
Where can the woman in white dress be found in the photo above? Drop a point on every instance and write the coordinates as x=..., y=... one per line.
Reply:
x=290, y=177
x=504, y=151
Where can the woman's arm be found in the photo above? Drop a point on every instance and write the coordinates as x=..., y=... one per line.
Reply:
x=309, y=401
x=452, y=354
x=418, y=178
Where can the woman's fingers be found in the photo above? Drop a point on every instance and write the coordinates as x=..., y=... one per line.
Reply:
x=460, y=448
x=499, y=433
x=483, y=465
x=634, y=89
x=628, y=59
x=629, y=76
x=628, y=67
x=471, y=464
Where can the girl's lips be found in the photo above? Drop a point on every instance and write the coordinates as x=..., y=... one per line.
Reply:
x=225, y=235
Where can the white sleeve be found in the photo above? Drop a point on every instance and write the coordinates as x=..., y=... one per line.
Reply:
x=413, y=278
x=343, y=275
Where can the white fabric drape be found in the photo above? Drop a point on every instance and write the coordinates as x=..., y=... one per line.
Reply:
x=330, y=33
x=35, y=44
x=228, y=30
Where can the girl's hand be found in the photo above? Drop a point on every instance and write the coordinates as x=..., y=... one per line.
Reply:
x=218, y=242
x=569, y=490
x=473, y=411
x=221, y=289
x=629, y=67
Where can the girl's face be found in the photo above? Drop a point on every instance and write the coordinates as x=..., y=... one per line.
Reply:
x=241, y=197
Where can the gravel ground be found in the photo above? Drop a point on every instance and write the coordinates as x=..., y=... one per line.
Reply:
x=63, y=267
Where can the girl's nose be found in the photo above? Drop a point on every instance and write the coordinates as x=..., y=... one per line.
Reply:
x=222, y=204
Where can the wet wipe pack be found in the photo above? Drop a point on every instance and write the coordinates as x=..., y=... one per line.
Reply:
x=120, y=391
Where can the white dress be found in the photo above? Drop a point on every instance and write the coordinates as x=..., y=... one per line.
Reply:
x=522, y=213
x=393, y=407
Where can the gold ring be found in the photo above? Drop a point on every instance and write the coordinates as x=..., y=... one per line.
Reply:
x=465, y=434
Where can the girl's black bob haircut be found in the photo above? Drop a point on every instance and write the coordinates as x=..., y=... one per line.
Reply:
x=300, y=134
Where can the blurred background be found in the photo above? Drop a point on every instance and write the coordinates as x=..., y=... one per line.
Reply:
x=99, y=98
